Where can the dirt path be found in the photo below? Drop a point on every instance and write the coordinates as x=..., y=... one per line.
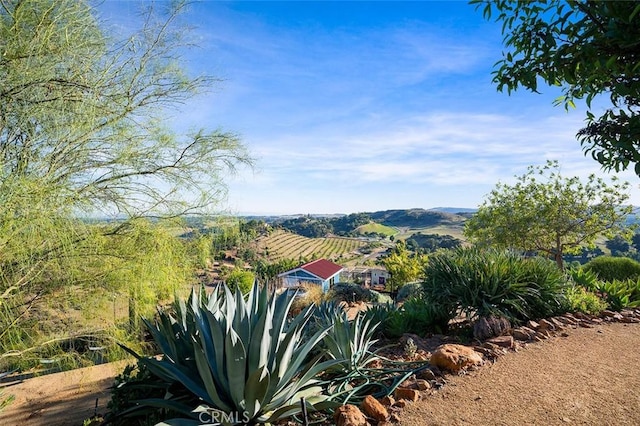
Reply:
x=591, y=377
x=60, y=399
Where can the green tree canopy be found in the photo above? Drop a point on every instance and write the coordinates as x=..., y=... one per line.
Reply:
x=589, y=48
x=82, y=115
x=547, y=213
x=84, y=130
x=403, y=266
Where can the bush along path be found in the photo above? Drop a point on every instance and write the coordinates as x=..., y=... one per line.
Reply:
x=414, y=400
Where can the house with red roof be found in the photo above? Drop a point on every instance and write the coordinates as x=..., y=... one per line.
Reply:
x=321, y=272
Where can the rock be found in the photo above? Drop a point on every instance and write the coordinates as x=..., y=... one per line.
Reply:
x=567, y=321
x=608, y=313
x=422, y=384
x=374, y=409
x=630, y=320
x=401, y=403
x=523, y=333
x=546, y=325
x=426, y=374
x=559, y=325
x=569, y=317
x=491, y=326
x=585, y=324
x=454, y=357
x=349, y=415
x=502, y=341
x=406, y=394
x=387, y=401
x=533, y=325
x=394, y=418
x=541, y=335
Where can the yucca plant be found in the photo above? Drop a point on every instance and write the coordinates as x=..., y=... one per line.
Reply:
x=243, y=359
x=481, y=283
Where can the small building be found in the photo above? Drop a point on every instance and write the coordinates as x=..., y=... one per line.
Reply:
x=321, y=272
x=374, y=277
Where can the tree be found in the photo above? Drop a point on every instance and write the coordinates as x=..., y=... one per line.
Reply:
x=546, y=213
x=402, y=266
x=239, y=279
x=589, y=48
x=82, y=116
x=83, y=132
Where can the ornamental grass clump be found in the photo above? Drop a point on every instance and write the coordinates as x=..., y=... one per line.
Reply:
x=484, y=282
x=242, y=359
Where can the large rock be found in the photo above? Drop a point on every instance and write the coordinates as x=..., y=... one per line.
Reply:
x=502, y=341
x=374, y=409
x=491, y=326
x=349, y=415
x=455, y=358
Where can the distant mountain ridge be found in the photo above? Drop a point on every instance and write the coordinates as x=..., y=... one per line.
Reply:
x=417, y=218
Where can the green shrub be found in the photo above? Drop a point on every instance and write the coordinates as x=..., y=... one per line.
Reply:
x=348, y=292
x=409, y=290
x=579, y=299
x=621, y=294
x=239, y=279
x=380, y=298
x=487, y=282
x=609, y=268
x=416, y=315
x=585, y=278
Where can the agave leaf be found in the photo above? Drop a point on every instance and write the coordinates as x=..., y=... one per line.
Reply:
x=212, y=337
x=236, y=364
x=313, y=402
x=261, y=340
x=213, y=396
x=165, y=404
x=305, y=350
x=171, y=372
x=256, y=390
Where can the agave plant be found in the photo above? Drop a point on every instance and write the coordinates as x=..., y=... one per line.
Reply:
x=242, y=359
x=350, y=342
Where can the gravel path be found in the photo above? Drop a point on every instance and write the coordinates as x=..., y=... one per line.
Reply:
x=590, y=377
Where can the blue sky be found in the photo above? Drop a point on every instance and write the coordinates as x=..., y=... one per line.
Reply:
x=364, y=106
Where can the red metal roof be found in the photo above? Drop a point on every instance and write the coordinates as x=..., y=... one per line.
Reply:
x=322, y=268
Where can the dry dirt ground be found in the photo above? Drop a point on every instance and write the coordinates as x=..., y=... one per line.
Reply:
x=590, y=377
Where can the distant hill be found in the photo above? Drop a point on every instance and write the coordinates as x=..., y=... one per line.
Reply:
x=454, y=209
x=416, y=218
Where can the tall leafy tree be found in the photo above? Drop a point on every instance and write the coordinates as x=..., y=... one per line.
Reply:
x=588, y=48
x=83, y=131
x=547, y=213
